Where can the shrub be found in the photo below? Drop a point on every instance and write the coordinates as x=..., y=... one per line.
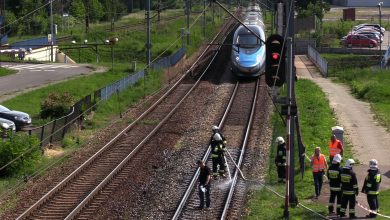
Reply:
x=56, y=105
x=15, y=146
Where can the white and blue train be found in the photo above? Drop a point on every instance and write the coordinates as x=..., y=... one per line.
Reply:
x=248, y=51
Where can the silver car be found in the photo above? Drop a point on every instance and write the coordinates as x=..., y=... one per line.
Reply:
x=7, y=124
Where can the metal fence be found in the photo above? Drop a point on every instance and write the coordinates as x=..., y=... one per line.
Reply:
x=55, y=130
x=33, y=43
x=316, y=58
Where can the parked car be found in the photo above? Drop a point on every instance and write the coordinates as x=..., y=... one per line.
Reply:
x=7, y=124
x=20, y=119
x=371, y=26
x=371, y=36
x=357, y=40
x=368, y=30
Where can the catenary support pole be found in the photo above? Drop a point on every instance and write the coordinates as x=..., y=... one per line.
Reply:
x=51, y=31
x=148, y=45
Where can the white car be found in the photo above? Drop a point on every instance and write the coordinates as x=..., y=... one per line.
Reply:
x=7, y=124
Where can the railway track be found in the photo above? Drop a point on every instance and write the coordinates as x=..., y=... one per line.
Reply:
x=81, y=193
x=244, y=96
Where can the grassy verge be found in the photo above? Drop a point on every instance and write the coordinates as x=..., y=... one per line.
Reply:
x=5, y=72
x=316, y=120
x=366, y=83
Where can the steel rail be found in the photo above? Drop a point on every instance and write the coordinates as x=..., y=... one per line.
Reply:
x=243, y=147
x=207, y=154
x=137, y=148
x=71, y=176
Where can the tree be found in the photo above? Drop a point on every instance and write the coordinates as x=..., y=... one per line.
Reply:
x=96, y=11
x=318, y=9
x=77, y=9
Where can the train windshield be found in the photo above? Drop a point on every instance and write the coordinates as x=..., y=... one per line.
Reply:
x=248, y=41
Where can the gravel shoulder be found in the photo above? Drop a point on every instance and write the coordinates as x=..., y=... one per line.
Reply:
x=368, y=138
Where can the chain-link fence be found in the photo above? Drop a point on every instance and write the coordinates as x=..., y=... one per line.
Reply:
x=55, y=130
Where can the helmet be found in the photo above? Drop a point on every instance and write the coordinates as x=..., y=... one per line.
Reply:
x=279, y=140
x=373, y=164
x=217, y=137
x=349, y=163
x=215, y=127
x=337, y=158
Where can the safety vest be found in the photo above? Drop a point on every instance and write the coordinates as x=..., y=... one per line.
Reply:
x=333, y=149
x=318, y=163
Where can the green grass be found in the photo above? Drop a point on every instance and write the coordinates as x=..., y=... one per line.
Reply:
x=131, y=44
x=366, y=83
x=316, y=120
x=5, y=72
x=384, y=203
x=79, y=87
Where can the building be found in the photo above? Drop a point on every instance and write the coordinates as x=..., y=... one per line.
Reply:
x=360, y=3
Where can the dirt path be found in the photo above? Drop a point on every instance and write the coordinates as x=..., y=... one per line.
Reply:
x=369, y=139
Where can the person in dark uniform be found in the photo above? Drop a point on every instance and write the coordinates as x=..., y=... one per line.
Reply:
x=334, y=176
x=204, y=184
x=371, y=187
x=217, y=142
x=350, y=189
x=280, y=159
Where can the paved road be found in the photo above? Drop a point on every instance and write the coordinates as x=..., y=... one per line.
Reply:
x=31, y=76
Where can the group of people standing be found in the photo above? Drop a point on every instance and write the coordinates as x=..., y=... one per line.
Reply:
x=342, y=180
x=218, y=148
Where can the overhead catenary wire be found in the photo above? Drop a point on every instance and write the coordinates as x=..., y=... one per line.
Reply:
x=98, y=102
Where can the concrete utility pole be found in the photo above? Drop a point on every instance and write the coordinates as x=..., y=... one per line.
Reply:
x=291, y=103
x=51, y=31
x=279, y=21
x=148, y=44
x=188, y=11
x=204, y=18
x=380, y=25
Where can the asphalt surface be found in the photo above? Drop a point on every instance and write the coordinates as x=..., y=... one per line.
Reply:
x=368, y=138
x=32, y=76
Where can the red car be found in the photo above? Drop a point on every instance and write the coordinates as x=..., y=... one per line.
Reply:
x=357, y=40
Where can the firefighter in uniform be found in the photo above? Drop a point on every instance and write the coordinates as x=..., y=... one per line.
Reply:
x=334, y=176
x=280, y=159
x=350, y=189
x=371, y=187
x=217, y=143
x=216, y=130
x=335, y=147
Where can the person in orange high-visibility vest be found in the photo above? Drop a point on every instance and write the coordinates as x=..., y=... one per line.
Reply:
x=335, y=147
x=319, y=165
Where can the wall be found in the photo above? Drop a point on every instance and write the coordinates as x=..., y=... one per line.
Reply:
x=41, y=54
x=360, y=3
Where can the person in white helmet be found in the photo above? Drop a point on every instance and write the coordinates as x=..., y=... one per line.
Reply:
x=371, y=187
x=217, y=143
x=350, y=189
x=216, y=130
x=280, y=159
x=334, y=176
